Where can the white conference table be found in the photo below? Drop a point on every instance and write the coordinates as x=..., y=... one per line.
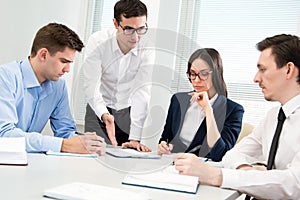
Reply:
x=46, y=171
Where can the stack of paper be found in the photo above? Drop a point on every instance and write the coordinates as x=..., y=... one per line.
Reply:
x=167, y=179
x=13, y=151
x=81, y=191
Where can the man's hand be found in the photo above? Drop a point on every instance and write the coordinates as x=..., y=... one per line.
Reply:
x=136, y=145
x=164, y=148
x=256, y=166
x=109, y=121
x=190, y=164
x=85, y=144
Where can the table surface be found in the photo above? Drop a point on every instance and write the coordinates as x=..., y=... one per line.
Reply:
x=46, y=171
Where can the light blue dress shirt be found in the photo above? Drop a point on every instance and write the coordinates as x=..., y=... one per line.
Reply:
x=26, y=106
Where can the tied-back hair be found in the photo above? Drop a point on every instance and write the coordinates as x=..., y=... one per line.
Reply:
x=55, y=37
x=129, y=8
x=213, y=59
x=285, y=48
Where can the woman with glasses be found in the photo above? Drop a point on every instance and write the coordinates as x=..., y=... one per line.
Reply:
x=117, y=75
x=204, y=122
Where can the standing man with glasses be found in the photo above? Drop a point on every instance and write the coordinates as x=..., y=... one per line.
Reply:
x=117, y=77
x=204, y=122
x=277, y=74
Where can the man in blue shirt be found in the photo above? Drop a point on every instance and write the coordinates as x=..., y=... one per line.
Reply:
x=33, y=93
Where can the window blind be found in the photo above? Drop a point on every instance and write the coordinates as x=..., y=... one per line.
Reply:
x=234, y=28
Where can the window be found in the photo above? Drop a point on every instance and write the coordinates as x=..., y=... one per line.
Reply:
x=99, y=15
x=233, y=28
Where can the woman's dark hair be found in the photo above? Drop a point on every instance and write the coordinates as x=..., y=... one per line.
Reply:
x=129, y=8
x=213, y=59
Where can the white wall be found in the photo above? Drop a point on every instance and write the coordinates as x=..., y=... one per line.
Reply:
x=20, y=20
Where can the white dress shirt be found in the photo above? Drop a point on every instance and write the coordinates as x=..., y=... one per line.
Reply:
x=116, y=80
x=193, y=119
x=283, y=182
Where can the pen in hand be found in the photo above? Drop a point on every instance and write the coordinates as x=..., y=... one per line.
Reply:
x=79, y=133
x=165, y=147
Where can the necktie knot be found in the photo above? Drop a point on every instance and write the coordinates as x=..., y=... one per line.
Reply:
x=281, y=115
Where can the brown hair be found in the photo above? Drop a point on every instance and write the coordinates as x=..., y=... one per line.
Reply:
x=55, y=37
x=285, y=48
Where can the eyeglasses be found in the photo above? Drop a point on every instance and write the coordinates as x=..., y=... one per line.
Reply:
x=127, y=30
x=203, y=75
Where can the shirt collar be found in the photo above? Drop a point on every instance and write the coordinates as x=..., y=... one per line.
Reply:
x=291, y=106
x=213, y=99
x=28, y=74
x=115, y=46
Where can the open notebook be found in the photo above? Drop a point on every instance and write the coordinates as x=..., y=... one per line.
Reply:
x=13, y=151
x=166, y=179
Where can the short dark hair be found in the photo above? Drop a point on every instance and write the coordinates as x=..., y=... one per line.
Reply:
x=213, y=59
x=285, y=48
x=55, y=37
x=129, y=8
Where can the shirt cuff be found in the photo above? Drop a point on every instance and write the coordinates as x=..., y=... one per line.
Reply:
x=135, y=133
x=230, y=178
x=100, y=110
x=51, y=143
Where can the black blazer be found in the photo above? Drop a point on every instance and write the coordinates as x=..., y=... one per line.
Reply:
x=228, y=116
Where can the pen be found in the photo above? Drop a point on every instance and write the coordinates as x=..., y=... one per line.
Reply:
x=195, y=149
x=78, y=133
x=168, y=144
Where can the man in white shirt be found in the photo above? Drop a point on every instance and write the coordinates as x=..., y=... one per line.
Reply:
x=278, y=76
x=117, y=77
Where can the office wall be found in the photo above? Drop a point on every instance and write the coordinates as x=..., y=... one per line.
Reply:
x=19, y=21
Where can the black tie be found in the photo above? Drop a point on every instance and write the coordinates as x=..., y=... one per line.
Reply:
x=273, y=150
x=281, y=117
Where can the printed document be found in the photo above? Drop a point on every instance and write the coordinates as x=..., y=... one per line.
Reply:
x=130, y=153
x=84, y=191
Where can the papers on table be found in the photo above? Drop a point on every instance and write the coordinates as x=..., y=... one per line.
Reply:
x=13, y=151
x=52, y=153
x=167, y=179
x=131, y=153
x=81, y=191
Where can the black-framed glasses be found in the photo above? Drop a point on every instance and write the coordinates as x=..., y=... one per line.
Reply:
x=127, y=30
x=203, y=75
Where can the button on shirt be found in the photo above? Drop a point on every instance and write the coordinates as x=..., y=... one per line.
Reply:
x=116, y=80
x=283, y=183
x=26, y=107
